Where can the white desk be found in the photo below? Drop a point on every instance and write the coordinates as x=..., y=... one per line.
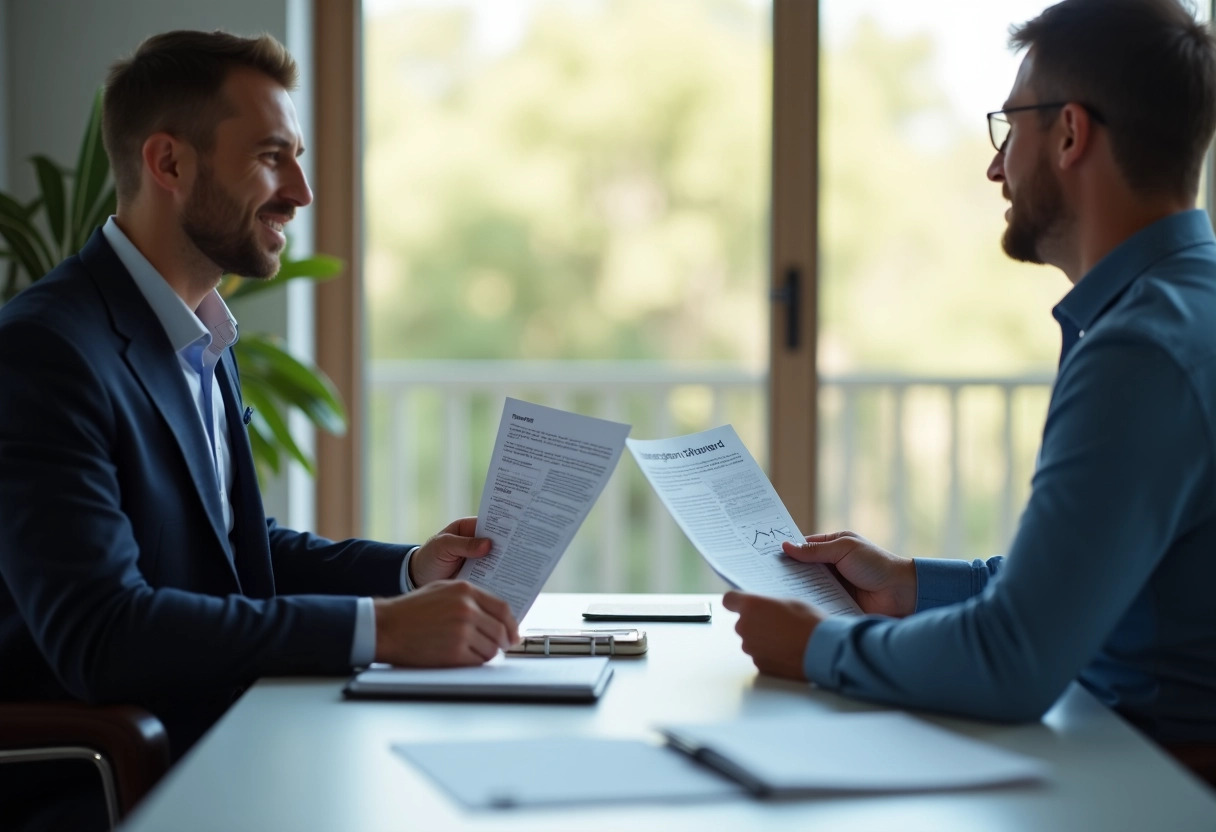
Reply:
x=293, y=755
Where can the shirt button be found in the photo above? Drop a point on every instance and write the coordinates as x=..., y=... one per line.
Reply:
x=1081, y=334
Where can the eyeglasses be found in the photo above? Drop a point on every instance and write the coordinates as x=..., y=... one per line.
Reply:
x=998, y=124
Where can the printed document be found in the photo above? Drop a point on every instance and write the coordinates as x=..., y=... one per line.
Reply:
x=548, y=468
x=718, y=495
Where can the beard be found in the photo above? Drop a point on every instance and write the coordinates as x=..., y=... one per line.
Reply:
x=1036, y=215
x=215, y=222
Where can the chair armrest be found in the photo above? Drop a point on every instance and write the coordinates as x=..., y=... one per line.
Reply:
x=133, y=740
x=1200, y=758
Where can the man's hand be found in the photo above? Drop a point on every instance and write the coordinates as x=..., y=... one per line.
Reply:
x=880, y=582
x=775, y=631
x=441, y=557
x=445, y=624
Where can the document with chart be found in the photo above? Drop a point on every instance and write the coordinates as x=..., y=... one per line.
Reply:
x=548, y=468
x=718, y=495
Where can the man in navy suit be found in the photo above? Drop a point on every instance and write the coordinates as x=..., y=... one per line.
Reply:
x=136, y=564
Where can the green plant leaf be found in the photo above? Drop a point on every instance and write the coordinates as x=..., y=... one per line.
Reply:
x=50, y=182
x=10, y=282
x=316, y=267
x=319, y=267
x=265, y=454
x=266, y=409
x=288, y=380
x=24, y=240
x=92, y=168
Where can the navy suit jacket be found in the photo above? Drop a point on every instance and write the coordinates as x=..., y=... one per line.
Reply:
x=118, y=579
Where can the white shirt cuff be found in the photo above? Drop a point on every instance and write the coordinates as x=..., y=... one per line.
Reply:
x=363, y=651
x=406, y=584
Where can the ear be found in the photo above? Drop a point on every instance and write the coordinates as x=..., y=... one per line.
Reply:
x=1075, y=135
x=169, y=163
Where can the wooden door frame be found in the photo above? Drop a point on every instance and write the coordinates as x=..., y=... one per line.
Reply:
x=338, y=184
x=793, y=375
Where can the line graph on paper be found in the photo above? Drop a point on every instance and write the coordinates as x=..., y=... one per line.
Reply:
x=766, y=538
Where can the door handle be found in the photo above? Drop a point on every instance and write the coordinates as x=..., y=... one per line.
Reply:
x=791, y=295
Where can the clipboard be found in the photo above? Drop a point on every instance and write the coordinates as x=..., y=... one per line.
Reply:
x=550, y=642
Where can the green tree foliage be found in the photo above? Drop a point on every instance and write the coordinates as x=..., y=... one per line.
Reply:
x=914, y=278
x=600, y=190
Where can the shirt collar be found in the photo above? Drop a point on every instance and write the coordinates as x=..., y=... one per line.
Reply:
x=212, y=323
x=1104, y=283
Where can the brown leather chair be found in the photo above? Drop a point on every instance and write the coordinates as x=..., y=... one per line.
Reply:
x=1200, y=758
x=128, y=746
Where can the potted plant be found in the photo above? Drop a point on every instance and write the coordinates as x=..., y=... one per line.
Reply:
x=71, y=203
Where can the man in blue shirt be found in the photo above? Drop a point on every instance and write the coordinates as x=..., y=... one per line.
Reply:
x=1110, y=576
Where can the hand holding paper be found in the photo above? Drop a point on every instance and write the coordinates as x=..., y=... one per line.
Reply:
x=882, y=583
x=719, y=496
x=548, y=469
x=441, y=557
x=550, y=466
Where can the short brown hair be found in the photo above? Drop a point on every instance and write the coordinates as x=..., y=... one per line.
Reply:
x=172, y=84
x=1146, y=67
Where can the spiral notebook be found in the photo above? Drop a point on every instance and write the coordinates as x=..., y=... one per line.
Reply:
x=549, y=642
x=566, y=679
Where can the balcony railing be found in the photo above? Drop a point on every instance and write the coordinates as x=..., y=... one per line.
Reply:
x=922, y=465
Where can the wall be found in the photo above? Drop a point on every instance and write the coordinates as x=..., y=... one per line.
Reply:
x=54, y=55
x=4, y=56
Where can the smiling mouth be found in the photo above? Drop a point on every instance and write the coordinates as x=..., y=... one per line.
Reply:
x=276, y=215
x=273, y=223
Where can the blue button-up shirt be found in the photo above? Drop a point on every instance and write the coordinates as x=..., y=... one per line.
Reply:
x=1111, y=576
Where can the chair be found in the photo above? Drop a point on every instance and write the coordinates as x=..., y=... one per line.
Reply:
x=128, y=746
x=1200, y=758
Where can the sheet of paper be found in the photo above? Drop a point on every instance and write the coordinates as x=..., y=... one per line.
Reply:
x=548, y=468
x=501, y=774
x=718, y=495
x=871, y=751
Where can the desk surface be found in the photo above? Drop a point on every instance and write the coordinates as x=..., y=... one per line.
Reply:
x=292, y=754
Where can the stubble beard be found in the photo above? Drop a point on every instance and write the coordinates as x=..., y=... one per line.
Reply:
x=1036, y=216
x=218, y=227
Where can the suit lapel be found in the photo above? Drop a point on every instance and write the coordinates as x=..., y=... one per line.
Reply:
x=151, y=358
x=251, y=546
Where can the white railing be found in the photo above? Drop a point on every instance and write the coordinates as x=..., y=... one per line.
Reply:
x=923, y=465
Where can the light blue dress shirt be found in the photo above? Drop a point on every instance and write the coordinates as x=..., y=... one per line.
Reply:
x=1111, y=575
x=199, y=337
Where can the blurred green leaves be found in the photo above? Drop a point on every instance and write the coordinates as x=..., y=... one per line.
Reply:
x=596, y=189
x=273, y=382
x=72, y=204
